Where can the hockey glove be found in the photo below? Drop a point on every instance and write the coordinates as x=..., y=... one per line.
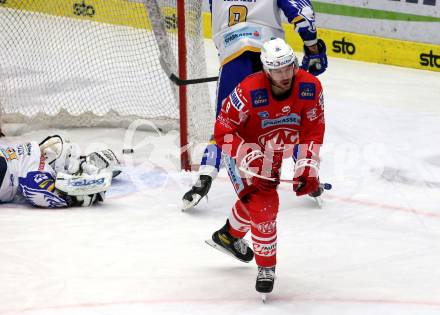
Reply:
x=98, y=161
x=315, y=63
x=305, y=180
x=262, y=173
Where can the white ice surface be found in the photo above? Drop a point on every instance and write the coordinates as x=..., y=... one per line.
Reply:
x=373, y=249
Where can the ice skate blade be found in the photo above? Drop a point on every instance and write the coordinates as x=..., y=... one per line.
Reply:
x=191, y=204
x=264, y=297
x=318, y=200
x=221, y=249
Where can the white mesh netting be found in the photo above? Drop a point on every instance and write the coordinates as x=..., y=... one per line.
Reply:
x=73, y=63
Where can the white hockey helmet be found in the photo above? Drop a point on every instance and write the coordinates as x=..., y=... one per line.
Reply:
x=276, y=53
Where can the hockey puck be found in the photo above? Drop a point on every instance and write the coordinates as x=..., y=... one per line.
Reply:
x=127, y=151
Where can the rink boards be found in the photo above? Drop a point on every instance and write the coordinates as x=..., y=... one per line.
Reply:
x=340, y=44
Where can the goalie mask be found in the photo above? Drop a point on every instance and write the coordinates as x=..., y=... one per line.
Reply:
x=60, y=154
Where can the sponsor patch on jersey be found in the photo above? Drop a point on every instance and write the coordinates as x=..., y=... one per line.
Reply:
x=263, y=115
x=244, y=32
x=286, y=109
x=24, y=149
x=259, y=98
x=307, y=91
x=9, y=154
x=236, y=100
x=292, y=119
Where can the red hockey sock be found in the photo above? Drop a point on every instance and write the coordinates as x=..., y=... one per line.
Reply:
x=263, y=210
x=239, y=222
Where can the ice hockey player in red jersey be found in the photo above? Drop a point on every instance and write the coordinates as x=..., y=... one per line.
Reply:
x=259, y=124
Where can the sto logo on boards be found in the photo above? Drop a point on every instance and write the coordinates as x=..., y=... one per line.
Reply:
x=82, y=9
x=171, y=22
x=430, y=60
x=344, y=47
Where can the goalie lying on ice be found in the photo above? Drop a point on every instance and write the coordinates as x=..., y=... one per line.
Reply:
x=52, y=174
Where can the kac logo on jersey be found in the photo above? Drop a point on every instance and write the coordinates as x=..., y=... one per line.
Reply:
x=307, y=91
x=259, y=98
x=280, y=139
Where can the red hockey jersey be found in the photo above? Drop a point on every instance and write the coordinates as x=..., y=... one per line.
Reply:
x=251, y=117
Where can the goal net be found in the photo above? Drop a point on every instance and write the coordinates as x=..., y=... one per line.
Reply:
x=85, y=63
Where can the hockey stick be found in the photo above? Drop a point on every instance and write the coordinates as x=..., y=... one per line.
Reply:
x=180, y=82
x=325, y=186
x=176, y=80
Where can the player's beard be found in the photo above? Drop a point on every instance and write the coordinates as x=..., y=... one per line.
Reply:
x=282, y=86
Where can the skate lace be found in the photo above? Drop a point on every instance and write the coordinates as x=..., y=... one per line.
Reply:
x=241, y=245
x=265, y=273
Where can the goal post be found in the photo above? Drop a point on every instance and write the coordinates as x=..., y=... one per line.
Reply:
x=91, y=63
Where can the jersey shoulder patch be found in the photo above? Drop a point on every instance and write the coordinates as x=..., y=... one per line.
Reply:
x=259, y=97
x=307, y=90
